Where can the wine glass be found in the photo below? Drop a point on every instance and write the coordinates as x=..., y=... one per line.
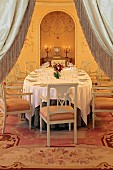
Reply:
x=67, y=64
x=74, y=75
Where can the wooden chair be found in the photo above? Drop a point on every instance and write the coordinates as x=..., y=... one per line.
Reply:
x=63, y=112
x=99, y=78
x=13, y=103
x=18, y=74
x=102, y=78
x=86, y=66
x=10, y=79
x=30, y=66
x=93, y=75
x=62, y=62
x=102, y=100
x=15, y=77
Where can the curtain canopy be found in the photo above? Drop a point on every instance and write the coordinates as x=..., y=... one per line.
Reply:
x=95, y=18
x=15, y=16
x=97, y=22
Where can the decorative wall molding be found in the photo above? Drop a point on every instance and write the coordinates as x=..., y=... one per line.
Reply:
x=57, y=23
x=44, y=13
x=58, y=30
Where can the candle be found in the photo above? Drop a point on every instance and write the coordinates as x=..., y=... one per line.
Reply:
x=64, y=48
x=45, y=46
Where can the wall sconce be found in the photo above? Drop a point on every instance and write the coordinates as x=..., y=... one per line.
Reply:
x=66, y=50
x=47, y=49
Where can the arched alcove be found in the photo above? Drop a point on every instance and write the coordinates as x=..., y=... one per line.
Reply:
x=57, y=33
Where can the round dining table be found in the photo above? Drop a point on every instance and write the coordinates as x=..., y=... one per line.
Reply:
x=36, y=82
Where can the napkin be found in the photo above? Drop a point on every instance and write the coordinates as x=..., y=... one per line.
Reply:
x=81, y=83
x=31, y=79
x=81, y=74
x=33, y=76
x=39, y=84
x=36, y=71
x=83, y=80
x=33, y=73
x=47, y=64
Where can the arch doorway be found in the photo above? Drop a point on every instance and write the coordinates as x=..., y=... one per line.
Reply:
x=57, y=37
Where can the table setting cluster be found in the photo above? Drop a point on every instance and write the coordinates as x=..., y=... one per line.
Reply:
x=46, y=75
x=38, y=80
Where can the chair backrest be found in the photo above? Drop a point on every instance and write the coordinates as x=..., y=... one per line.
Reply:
x=16, y=69
x=62, y=62
x=63, y=111
x=102, y=91
x=10, y=79
x=30, y=66
x=66, y=93
x=13, y=103
x=2, y=97
x=102, y=100
x=86, y=66
x=2, y=91
x=6, y=90
x=102, y=78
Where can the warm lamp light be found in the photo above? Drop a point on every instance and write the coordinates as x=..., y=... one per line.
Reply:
x=45, y=46
x=66, y=50
x=47, y=49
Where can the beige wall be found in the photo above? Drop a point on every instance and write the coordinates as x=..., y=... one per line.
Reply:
x=31, y=48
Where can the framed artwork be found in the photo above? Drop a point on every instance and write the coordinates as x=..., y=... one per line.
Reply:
x=56, y=51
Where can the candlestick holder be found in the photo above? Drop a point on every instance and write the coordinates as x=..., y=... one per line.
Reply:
x=48, y=50
x=66, y=51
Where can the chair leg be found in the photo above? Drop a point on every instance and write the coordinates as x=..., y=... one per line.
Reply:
x=4, y=124
x=69, y=126
x=93, y=119
x=40, y=124
x=75, y=133
x=19, y=117
x=48, y=135
x=30, y=122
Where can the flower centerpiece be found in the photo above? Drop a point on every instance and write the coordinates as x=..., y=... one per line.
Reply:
x=58, y=67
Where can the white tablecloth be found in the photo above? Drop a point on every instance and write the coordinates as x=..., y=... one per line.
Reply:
x=34, y=83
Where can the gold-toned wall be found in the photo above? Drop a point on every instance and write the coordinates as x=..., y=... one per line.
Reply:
x=57, y=30
x=31, y=48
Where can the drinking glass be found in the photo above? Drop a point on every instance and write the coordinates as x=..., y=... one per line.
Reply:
x=74, y=75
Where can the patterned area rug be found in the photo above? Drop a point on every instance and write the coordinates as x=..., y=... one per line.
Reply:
x=8, y=140
x=18, y=133
x=108, y=140
x=24, y=148
x=78, y=157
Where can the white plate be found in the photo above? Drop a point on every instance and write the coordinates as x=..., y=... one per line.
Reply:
x=33, y=73
x=32, y=76
x=81, y=74
x=83, y=80
x=31, y=79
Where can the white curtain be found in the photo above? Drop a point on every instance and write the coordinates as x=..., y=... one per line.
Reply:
x=97, y=23
x=15, y=17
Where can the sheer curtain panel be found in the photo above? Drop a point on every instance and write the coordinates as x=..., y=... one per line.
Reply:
x=97, y=22
x=15, y=16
